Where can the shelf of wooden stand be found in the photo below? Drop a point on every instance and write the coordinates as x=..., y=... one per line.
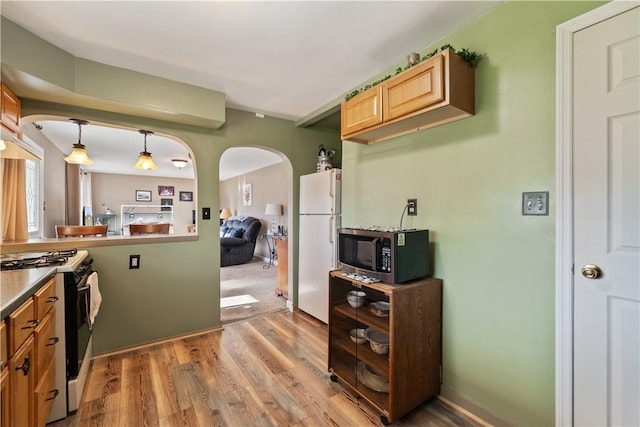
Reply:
x=363, y=315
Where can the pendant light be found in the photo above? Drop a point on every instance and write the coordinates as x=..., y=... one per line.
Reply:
x=145, y=161
x=79, y=154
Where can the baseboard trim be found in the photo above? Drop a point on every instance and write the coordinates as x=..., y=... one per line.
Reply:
x=155, y=342
x=471, y=410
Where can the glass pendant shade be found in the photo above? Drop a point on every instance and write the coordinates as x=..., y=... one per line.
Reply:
x=79, y=154
x=179, y=163
x=145, y=161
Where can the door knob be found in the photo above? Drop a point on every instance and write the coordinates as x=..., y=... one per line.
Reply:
x=591, y=271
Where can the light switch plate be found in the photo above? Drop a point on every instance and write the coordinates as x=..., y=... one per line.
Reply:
x=535, y=203
x=134, y=262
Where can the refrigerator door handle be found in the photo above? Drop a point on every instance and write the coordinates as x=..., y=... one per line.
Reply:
x=332, y=228
x=332, y=188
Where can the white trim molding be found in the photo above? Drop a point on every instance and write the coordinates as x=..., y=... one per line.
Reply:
x=564, y=200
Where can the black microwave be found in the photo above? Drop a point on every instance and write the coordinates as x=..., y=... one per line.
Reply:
x=392, y=256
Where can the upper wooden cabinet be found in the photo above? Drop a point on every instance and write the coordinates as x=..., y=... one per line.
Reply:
x=10, y=111
x=433, y=92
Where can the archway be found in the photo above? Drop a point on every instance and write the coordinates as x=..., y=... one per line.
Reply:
x=254, y=181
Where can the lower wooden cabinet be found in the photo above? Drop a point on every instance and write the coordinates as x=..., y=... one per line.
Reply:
x=408, y=317
x=28, y=376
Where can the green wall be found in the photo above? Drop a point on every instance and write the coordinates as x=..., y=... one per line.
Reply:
x=497, y=266
x=177, y=288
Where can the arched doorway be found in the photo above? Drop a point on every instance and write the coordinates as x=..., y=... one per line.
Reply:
x=255, y=182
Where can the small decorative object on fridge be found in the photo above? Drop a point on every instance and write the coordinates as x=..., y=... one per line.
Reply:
x=324, y=159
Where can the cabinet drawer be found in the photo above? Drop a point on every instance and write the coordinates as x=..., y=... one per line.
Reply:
x=415, y=89
x=45, y=298
x=22, y=322
x=45, y=342
x=45, y=394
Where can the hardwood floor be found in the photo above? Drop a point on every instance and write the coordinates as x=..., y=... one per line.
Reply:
x=266, y=371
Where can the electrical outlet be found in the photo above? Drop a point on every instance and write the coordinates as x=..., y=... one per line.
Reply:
x=535, y=203
x=412, y=209
x=134, y=262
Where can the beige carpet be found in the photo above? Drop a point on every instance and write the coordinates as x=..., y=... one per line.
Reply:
x=248, y=290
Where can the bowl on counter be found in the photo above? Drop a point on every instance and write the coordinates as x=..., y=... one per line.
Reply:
x=358, y=335
x=378, y=341
x=356, y=298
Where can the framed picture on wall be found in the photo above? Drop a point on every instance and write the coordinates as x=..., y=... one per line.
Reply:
x=166, y=190
x=247, y=195
x=165, y=204
x=186, y=196
x=143, y=195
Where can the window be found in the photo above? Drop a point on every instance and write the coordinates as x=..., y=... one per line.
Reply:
x=33, y=187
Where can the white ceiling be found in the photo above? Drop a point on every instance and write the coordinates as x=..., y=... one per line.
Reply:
x=282, y=59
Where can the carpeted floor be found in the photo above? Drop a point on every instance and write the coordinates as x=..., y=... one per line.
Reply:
x=248, y=290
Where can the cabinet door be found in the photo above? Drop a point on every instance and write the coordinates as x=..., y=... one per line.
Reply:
x=21, y=385
x=5, y=408
x=362, y=111
x=10, y=111
x=414, y=89
x=4, y=354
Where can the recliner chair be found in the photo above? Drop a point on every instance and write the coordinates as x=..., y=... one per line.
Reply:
x=238, y=239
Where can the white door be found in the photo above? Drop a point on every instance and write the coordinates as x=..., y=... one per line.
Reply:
x=606, y=386
x=317, y=256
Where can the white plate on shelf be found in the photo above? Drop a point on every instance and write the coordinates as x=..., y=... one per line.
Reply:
x=371, y=380
x=379, y=308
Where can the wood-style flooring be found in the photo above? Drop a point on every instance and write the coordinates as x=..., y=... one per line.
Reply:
x=266, y=371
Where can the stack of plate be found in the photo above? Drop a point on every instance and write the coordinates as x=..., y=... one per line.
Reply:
x=373, y=380
x=379, y=308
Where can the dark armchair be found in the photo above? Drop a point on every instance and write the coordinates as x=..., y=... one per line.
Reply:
x=238, y=239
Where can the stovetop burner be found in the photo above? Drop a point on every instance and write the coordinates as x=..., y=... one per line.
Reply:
x=35, y=259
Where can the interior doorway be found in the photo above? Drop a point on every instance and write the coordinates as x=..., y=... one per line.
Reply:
x=252, y=180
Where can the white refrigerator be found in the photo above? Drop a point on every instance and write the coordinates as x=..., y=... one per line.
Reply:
x=320, y=207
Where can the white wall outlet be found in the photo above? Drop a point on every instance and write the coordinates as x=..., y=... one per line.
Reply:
x=535, y=203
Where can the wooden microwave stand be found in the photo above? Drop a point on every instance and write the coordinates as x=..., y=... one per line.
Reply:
x=414, y=327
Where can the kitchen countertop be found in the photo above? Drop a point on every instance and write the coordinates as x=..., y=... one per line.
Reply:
x=16, y=286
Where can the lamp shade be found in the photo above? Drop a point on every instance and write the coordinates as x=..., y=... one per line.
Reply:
x=273, y=209
x=179, y=163
x=145, y=161
x=79, y=154
x=225, y=214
